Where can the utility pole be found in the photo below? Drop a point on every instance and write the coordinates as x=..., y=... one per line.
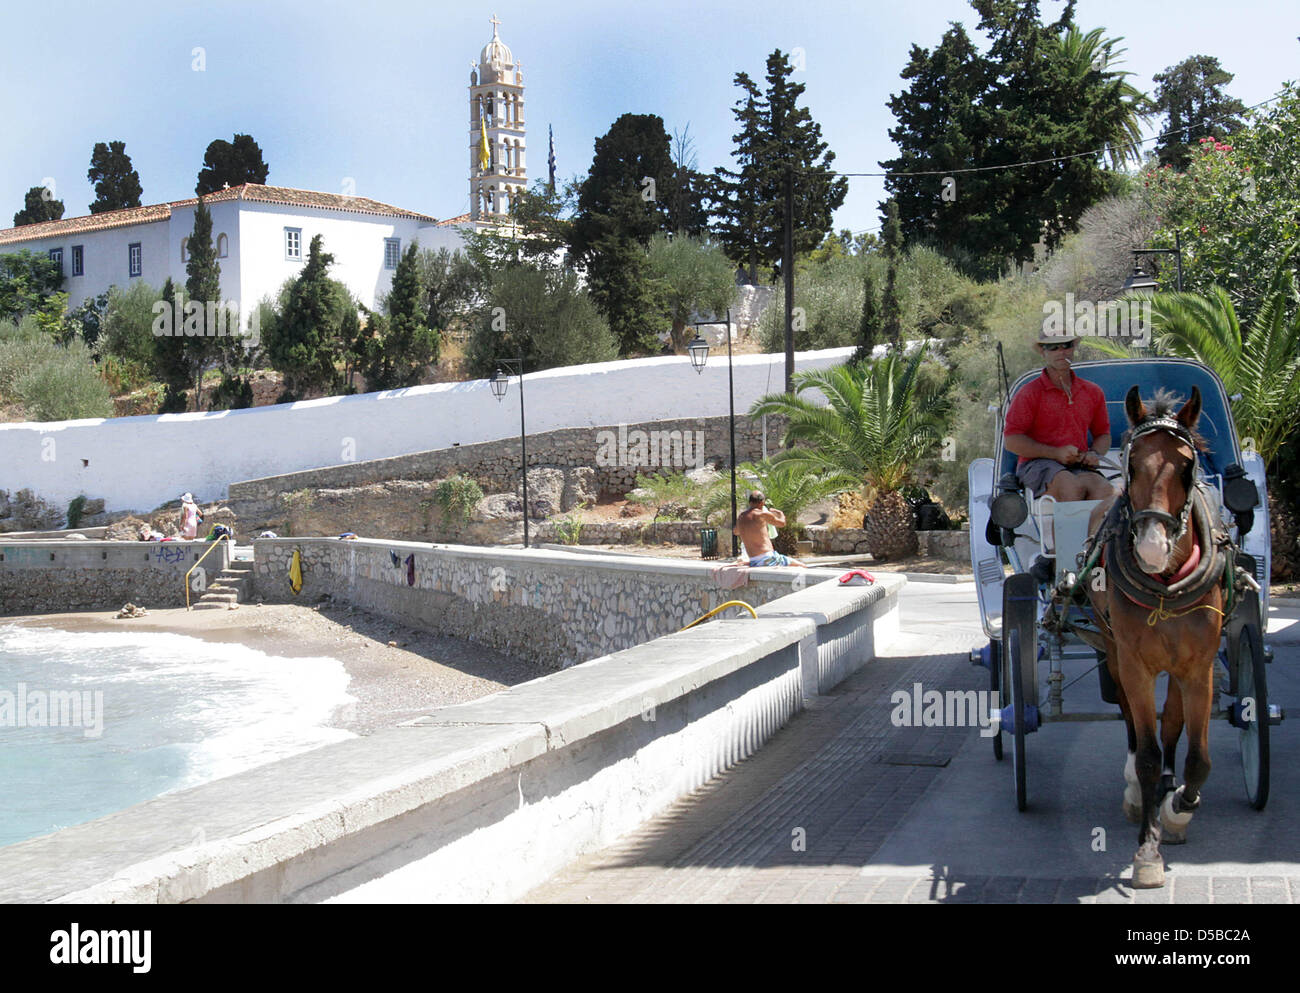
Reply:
x=787, y=272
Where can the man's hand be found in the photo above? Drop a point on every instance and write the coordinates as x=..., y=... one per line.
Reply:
x=1067, y=455
x=1091, y=460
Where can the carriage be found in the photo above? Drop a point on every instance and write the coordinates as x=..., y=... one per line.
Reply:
x=1028, y=556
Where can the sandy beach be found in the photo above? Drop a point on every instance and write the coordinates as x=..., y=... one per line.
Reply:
x=397, y=673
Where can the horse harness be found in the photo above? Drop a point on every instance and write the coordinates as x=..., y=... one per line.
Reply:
x=1111, y=549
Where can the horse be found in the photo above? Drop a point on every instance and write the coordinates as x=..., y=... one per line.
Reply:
x=1160, y=609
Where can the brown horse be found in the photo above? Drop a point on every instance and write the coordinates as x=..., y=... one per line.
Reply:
x=1160, y=609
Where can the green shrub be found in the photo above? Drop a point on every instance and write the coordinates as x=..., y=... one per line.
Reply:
x=457, y=496
x=63, y=385
x=569, y=530
x=76, y=509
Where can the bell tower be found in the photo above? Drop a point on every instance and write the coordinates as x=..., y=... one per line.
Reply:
x=496, y=132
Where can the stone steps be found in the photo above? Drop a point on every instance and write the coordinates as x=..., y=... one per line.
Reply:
x=229, y=589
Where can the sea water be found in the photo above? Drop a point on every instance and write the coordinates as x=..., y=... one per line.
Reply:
x=94, y=722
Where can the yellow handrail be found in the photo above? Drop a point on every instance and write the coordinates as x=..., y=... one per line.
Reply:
x=197, y=564
x=724, y=606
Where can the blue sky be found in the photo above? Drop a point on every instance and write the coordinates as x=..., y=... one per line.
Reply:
x=376, y=91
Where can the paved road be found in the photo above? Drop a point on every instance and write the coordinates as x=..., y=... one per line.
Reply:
x=844, y=807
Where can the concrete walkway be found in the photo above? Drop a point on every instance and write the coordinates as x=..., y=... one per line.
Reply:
x=844, y=807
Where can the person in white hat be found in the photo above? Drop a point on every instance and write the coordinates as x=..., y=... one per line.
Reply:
x=1058, y=426
x=190, y=517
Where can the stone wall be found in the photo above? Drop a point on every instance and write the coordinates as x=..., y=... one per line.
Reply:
x=44, y=577
x=552, y=608
x=617, y=452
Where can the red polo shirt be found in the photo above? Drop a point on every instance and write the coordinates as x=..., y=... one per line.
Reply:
x=1050, y=416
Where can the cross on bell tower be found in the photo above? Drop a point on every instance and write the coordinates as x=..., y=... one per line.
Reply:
x=497, y=170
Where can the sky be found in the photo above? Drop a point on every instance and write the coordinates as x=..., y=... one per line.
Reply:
x=372, y=97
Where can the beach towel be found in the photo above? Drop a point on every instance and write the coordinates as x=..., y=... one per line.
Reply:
x=731, y=577
x=295, y=572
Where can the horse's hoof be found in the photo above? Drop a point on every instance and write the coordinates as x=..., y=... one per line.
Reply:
x=1173, y=821
x=1133, y=812
x=1148, y=875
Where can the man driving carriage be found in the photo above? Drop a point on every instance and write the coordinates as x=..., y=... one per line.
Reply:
x=1048, y=424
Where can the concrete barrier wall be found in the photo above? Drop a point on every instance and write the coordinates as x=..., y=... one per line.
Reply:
x=551, y=607
x=45, y=577
x=480, y=801
x=138, y=463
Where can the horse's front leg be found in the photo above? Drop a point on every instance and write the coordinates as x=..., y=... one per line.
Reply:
x=1173, y=822
x=1197, y=692
x=1139, y=688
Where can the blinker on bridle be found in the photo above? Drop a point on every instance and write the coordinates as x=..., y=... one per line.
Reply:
x=1178, y=525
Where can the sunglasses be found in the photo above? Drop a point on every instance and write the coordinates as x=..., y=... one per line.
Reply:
x=1058, y=347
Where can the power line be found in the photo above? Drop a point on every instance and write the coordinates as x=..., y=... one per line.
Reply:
x=1032, y=162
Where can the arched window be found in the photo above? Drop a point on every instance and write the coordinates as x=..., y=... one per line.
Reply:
x=185, y=249
x=223, y=246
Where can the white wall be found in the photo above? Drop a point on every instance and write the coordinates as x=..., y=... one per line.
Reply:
x=137, y=463
x=255, y=266
x=355, y=240
x=104, y=255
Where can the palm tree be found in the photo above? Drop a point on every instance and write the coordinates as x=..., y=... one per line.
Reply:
x=1262, y=365
x=879, y=420
x=1087, y=53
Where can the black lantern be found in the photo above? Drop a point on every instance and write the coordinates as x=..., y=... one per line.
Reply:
x=1140, y=280
x=499, y=383
x=699, y=349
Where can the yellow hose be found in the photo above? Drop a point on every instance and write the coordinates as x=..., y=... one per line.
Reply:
x=729, y=603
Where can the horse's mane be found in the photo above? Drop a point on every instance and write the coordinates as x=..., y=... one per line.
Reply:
x=1166, y=403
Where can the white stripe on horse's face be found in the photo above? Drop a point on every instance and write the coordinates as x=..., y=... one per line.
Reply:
x=1152, y=546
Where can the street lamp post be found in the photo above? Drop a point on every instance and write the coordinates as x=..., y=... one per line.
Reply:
x=500, y=382
x=1139, y=281
x=699, y=352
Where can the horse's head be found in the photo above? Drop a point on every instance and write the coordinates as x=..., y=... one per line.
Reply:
x=1159, y=465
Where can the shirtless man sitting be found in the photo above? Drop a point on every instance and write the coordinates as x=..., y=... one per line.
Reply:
x=751, y=526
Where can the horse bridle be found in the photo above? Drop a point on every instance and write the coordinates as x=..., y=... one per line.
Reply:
x=1177, y=525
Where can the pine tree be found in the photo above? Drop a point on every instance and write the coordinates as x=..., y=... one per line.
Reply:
x=620, y=205
x=303, y=341
x=408, y=345
x=778, y=138
x=891, y=311
x=1042, y=92
x=203, y=287
x=117, y=185
x=171, y=360
x=231, y=163
x=38, y=205
x=1191, y=97
x=869, y=325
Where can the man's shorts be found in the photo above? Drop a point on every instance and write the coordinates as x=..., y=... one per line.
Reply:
x=770, y=558
x=1037, y=474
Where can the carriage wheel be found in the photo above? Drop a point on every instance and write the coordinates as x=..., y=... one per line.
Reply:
x=1252, y=685
x=995, y=680
x=1018, y=717
x=1019, y=643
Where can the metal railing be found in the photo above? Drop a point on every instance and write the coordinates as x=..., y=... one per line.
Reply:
x=721, y=607
x=215, y=543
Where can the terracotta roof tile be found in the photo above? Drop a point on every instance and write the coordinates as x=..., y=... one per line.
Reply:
x=246, y=191
x=452, y=221
x=91, y=222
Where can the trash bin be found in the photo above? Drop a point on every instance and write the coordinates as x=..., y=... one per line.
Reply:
x=708, y=543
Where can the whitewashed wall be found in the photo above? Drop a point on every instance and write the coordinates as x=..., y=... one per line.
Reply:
x=137, y=463
x=105, y=257
x=255, y=266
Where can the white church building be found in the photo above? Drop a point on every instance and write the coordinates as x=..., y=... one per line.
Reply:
x=262, y=233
